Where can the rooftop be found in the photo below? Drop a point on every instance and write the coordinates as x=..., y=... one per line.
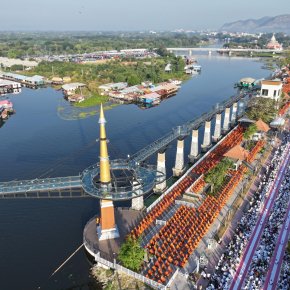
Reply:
x=271, y=83
x=237, y=152
x=151, y=96
x=72, y=86
x=15, y=76
x=262, y=126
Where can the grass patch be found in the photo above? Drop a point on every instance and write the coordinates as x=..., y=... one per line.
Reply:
x=92, y=101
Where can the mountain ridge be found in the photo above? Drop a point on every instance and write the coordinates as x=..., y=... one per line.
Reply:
x=280, y=23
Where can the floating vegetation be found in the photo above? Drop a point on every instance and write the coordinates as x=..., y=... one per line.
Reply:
x=69, y=112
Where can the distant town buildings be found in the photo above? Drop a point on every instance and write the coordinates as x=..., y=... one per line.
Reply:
x=100, y=55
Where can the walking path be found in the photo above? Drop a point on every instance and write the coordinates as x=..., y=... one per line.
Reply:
x=242, y=270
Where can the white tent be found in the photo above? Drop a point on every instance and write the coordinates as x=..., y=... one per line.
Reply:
x=278, y=122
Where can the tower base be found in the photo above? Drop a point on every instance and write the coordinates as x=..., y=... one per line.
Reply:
x=108, y=234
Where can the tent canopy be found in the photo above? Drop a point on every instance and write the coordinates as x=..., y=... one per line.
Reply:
x=262, y=126
x=277, y=122
x=247, y=80
x=237, y=152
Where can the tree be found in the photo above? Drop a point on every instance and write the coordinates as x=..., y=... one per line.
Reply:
x=133, y=80
x=251, y=130
x=162, y=51
x=132, y=254
x=262, y=108
x=216, y=176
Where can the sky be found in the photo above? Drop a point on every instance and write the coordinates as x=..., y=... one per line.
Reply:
x=132, y=15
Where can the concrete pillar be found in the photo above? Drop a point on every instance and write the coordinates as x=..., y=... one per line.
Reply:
x=217, y=128
x=190, y=52
x=234, y=113
x=241, y=108
x=137, y=202
x=194, y=146
x=179, y=161
x=226, y=125
x=107, y=228
x=161, y=168
x=207, y=136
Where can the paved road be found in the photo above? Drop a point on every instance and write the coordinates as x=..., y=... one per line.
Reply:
x=272, y=277
x=241, y=273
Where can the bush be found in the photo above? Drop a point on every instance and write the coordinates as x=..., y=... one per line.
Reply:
x=217, y=175
x=132, y=254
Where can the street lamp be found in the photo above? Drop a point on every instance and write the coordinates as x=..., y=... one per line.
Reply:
x=114, y=257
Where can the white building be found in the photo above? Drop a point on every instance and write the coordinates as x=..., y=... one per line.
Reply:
x=271, y=89
x=69, y=89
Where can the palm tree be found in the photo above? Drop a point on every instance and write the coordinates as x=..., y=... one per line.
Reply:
x=251, y=130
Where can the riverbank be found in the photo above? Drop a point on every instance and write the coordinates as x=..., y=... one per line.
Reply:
x=113, y=280
x=133, y=72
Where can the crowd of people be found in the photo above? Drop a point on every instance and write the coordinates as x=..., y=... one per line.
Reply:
x=264, y=252
x=284, y=278
x=230, y=260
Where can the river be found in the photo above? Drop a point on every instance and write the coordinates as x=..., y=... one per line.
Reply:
x=38, y=141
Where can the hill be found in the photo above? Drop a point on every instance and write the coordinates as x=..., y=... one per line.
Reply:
x=280, y=23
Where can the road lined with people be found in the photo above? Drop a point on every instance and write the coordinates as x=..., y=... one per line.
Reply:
x=236, y=259
x=244, y=265
x=273, y=273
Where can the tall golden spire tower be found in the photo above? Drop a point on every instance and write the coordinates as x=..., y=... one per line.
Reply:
x=105, y=175
x=108, y=228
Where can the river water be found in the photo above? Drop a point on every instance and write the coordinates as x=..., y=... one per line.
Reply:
x=40, y=140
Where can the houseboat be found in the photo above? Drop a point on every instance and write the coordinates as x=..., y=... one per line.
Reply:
x=30, y=82
x=150, y=99
x=192, y=69
x=76, y=98
x=6, y=108
x=69, y=89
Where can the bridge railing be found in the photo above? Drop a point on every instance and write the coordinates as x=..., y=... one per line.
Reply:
x=40, y=184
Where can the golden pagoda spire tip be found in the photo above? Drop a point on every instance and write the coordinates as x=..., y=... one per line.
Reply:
x=102, y=119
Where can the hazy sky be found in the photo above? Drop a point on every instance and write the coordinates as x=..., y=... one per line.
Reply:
x=132, y=14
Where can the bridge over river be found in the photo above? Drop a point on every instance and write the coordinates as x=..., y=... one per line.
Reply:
x=222, y=50
x=65, y=186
